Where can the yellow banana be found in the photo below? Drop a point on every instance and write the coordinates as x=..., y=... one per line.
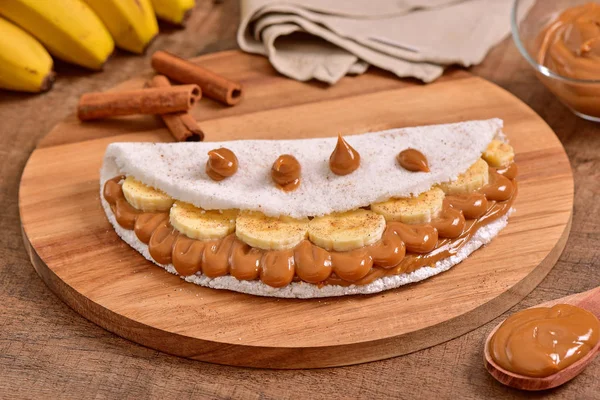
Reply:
x=270, y=233
x=131, y=23
x=24, y=63
x=144, y=197
x=473, y=179
x=412, y=210
x=69, y=29
x=200, y=224
x=346, y=231
x=499, y=154
x=173, y=11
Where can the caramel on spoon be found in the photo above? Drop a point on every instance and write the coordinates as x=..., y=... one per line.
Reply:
x=589, y=301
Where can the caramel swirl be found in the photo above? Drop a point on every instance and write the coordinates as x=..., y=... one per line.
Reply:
x=402, y=249
x=541, y=341
x=413, y=160
x=125, y=214
x=570, y=46
x=344, y=159
x=245, y=261
x=286, y=172
x=352, y=265
x=222, y=163
x=499, y=188
x=161, y=243
x=187, y=255
x=389, y=251
x=278, y=268
x=112, y=190
x=313, y=264
x=472, y=205
x=450, y=223
x=418, y=238
x=509, y=172
x=215, y=258
x=146, y=224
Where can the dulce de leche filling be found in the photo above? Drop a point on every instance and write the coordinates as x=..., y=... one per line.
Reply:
x=403, y=248
x=541, y=341
x=570, y=45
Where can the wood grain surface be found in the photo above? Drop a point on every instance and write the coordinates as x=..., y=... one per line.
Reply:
x=113, y=286
x=48, y=350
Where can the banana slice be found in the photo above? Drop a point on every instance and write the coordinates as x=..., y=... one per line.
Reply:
x=346, y=231
x=270, y=233
x=144, y=197
x=473, y=179
x=412, y=210
x=498, y=154
x=200, y=224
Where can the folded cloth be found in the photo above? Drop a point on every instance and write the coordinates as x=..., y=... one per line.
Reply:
x=327, y=39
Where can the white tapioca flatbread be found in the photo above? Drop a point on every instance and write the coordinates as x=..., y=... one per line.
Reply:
x=178, y=169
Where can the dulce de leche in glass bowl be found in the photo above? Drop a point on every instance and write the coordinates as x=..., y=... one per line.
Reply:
x=561, y=40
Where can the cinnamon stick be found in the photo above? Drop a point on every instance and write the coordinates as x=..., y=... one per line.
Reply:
x=213, y=85
x=143, y=101
x=182, y=125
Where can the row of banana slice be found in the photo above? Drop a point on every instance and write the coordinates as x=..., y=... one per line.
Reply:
x=339, y=231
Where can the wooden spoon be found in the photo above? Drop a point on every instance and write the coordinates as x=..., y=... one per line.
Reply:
x=590, y=301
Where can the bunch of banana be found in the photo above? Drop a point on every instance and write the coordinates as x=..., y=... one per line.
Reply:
x=499, y=154
x=24, y=63
x=144, y=197
x=132, y=24
x=200, y=224
x=476, y=177
x=412, y=210
x=173, y=11
x=346, y=231
x=69, y=29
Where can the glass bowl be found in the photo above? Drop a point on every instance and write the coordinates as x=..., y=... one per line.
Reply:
x=582, y=96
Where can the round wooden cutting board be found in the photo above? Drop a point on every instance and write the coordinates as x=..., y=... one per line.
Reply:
x=77, y=253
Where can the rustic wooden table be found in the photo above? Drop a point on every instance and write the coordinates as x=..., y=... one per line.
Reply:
x=48, y=350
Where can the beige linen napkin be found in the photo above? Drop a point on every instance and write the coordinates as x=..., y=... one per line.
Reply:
x=327, y=39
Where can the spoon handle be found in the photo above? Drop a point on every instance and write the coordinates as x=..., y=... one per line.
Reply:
x=591, y=301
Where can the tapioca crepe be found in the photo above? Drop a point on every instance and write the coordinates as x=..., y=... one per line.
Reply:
x=379, y=227
x=178, y=169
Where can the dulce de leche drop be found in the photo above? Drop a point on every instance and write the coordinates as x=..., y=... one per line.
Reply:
x=413, y=160
x=221, y=164
x=344, y=159
x=286, y=172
